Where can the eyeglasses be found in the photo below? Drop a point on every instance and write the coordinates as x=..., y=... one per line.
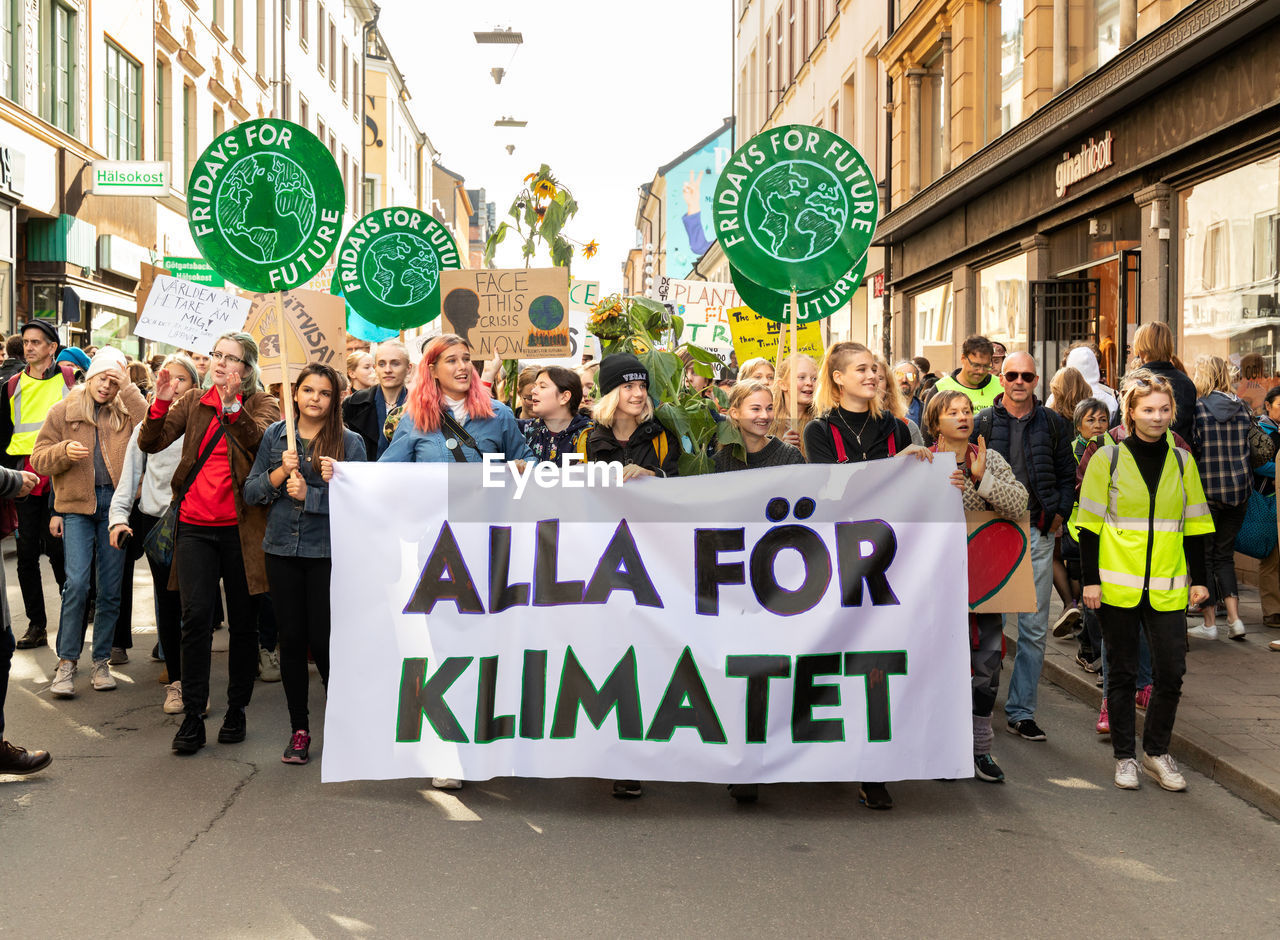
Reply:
x=978, y=366
x=226, y=357
x=908, y=376
x=1027, y=377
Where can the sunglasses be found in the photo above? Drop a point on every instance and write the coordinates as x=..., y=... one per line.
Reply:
x=1027, y=377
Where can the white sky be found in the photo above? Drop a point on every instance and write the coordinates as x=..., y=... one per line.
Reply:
x=612, y=90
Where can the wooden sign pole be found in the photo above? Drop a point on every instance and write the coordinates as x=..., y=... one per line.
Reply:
x=794, y=393
x=286, y=386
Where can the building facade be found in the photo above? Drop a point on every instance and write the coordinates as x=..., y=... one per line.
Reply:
x=398, y=155
x=1069, y=170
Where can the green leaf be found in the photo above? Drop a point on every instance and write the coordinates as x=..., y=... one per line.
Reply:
x=677, y=329
x=702, y=369
x=693, y=465
x=552, y=221
x=664, y=373
x=674, y=420
x=494, y=240
x=698, y=354
x=649, y=315
x=561, y=252
x=531, y=216
x=728, y=435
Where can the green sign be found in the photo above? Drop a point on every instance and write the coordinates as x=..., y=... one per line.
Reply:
x=265, y=204
x=389, y=267
x=795, y=207
x=811, y=305
x=195, y=270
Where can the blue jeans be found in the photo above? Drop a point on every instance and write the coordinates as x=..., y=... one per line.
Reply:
x=1032, y=628
x=83, y=538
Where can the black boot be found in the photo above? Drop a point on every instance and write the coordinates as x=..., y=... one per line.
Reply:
x=190, y=737
x=18, y=760
x=33, y=639
x=233, y=727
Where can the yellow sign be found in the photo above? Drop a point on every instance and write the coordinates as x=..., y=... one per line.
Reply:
x=756, y=337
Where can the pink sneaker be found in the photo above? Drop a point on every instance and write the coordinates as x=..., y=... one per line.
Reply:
x=1142, y=698
x=1104, y=722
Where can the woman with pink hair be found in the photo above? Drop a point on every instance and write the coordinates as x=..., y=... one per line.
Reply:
x=449, y=414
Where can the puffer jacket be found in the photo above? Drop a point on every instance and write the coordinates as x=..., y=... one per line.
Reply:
x=1051, y=465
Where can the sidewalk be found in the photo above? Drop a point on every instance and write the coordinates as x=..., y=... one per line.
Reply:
x=1228, y=725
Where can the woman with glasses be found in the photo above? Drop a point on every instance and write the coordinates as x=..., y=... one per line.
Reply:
x=219, y=536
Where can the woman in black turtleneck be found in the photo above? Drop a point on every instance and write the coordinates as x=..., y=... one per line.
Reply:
x=1143, y=520
x=854, y=427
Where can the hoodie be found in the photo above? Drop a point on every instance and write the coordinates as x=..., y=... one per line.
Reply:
x=1085, y=362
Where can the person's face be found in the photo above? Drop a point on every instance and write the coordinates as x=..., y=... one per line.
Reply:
x=202, y=363
x=806, y=382
x=544, y=399
x=181, y=379
x=103, y=387
x=227, y=360
x=975, y=368
x=314, y=397
x=364, y=375
x=453, y=370
x=906, y=378
x=882, y=381
x=859, y=377
x=1019, y=378
x=998, y=357
x=393, y=367
x=755, y=415
x=1273, y=410
x=761, y=373
x=632, y=398
x=36, y=347
x=1094, y=424
x=695, y=381
x=1152, y=416
x=955, y=422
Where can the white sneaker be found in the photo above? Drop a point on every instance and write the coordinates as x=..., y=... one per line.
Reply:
x=101, y=677
x=446, y=783
x=64, y=679
x=1203, y=632
x=173, y=698
x=1236, y=630
x=1164, y=770
x=1127, y=774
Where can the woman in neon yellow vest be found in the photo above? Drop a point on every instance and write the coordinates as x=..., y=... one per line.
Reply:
x=1143, y=518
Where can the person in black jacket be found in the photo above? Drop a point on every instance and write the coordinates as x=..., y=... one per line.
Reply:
x=625, y=430
x=1036, y=442
x=365, y=411
x=1153, y=350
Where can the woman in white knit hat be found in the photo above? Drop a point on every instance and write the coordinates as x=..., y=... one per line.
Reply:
x=82, y=447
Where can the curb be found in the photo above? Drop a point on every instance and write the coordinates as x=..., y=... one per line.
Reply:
x=1193, y=747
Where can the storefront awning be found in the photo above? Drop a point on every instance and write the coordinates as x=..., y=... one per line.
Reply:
x=113, y=300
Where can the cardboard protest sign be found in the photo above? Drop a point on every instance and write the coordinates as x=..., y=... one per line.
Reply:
x=704, y=306
x=795, y=207
x=316, y=324
x=755, y=337
x=189, y=316
x=1000, y=577
x=582, y=295
x=518, y=313
x=265, y=204
x=145, y=280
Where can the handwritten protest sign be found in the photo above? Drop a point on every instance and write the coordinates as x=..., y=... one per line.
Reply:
x=755, y=336
x=145, y=280
x=189, y=316
x=520, y=313
x=1000, y=577
x=704, y=306
x=582, y=294
x=315, y=322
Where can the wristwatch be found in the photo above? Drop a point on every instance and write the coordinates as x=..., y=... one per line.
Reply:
x=231, y=409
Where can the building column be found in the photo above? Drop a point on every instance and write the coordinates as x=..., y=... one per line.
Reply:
x=1039, y=268
x=914, y=77
x=964, y=305
x=947, y=74
x=1128, y=23
x=1060, y=43
x=1155, y=203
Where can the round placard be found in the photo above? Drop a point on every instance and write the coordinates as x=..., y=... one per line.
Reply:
x=795, y=207
x=816, y=304
x=389, y=266
x=265, y=203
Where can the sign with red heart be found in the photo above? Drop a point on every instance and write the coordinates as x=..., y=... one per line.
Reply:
x=1000, y=576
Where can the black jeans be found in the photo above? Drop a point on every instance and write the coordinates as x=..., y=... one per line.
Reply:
x=205, y=554
x=1220, y=549
x=141, y=524
x=7, y=646
x=34, y=540
x=168, y=603
x=1167, y=638
x=300, y=595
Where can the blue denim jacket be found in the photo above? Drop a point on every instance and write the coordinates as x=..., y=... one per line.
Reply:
x=295, y=530
x=497, y=435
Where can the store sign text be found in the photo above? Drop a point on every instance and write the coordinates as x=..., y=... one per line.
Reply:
x=1093, y=157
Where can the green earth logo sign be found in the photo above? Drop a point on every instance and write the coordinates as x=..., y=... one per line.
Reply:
x=796, y=208
x=265, y=203
x=389, y=266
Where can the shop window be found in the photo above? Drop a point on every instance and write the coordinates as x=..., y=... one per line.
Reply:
x=1230, y=269
x=932, y=311
x=1002, y=66
x=1002, y=302
x=124, y=90
x=1093, y=36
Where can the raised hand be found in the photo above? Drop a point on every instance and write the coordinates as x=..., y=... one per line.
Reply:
x=231, y=390
x=166, y=385
x=979, y=466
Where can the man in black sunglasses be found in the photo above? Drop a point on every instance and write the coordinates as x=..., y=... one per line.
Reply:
x=1037, y=444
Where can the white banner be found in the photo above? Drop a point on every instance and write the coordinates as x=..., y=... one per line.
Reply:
x=704, y=306
x=786, y=624
x=190, y=316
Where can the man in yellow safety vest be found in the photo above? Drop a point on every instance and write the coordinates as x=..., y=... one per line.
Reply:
x=27, y=398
